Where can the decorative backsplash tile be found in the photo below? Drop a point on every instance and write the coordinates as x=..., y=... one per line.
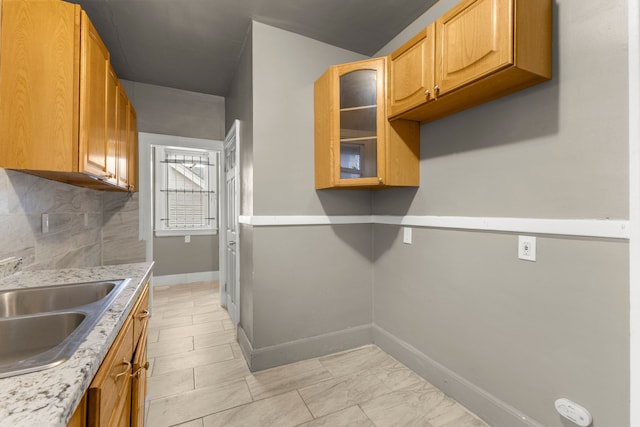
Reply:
x=87, y=228
x=9, y=266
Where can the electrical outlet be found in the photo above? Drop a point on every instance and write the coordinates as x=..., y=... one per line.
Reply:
x=527, y=248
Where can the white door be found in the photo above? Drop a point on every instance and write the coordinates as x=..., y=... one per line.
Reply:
x=230, y=271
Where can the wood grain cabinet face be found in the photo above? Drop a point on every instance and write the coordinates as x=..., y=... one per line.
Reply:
x=483, y=49
x=58, y=97
x=122, y=151
x=117, y=393
x=132, y=144
x=97, y=94
x=474, y=39
x=355, y=146
x=412, y=73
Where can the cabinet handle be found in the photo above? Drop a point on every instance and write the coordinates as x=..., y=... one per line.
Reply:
x=126, y=370
x=144, y=367
x=379, y=180
x=143, y=314
x=427, y=93
x=436, y=90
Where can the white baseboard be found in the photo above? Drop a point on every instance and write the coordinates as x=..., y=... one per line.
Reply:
x=488, y=407
x=178, y=279
x=302, y=349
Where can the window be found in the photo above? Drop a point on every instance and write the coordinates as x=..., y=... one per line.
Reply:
x=186, y=191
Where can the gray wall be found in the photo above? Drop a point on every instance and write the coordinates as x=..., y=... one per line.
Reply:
x=239, y=106
x=169, y=111
x=285, y=273
x=108, y=237
x=526, y=333
x=505, y=337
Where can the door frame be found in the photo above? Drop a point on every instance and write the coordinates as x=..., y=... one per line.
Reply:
x=146, y=142
x=232, y=133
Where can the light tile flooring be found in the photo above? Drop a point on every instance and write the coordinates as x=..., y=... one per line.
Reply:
x=199, y=378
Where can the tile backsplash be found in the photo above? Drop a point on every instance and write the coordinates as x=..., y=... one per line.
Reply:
x=86, y=227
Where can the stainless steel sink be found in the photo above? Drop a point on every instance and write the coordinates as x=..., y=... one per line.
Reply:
x=42, y=327
x=17, y=302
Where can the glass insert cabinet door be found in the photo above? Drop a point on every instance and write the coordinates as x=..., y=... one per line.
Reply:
x=360, y=95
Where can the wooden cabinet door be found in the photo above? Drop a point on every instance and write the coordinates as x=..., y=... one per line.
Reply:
x=93, y=102
x=132, y=140
x=139, y=385
x=473, y=39
x=358, y=134
x=122, y=138
x=38, y=85
x=412, y=73
x=111, y=107
x=110, y=391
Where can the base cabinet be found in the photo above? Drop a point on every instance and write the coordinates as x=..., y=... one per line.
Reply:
x=116, y=395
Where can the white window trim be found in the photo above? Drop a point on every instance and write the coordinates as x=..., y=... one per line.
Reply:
x=160, y=205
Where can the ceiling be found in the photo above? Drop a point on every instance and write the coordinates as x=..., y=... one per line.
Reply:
x=195, y=44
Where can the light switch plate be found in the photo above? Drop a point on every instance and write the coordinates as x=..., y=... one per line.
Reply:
x=407, y=238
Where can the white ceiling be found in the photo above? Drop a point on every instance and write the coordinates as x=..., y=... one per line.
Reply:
x=195, y=44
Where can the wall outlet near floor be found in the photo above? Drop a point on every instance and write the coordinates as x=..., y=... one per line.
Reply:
x=527, y=248
x=187, y=239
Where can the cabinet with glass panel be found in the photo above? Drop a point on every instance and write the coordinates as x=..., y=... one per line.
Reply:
x=355, y=145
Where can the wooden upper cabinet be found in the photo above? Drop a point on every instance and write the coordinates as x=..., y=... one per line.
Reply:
x=412, y=72
x=132, y=141
x=111, y=128
x=38, y=88
x=484, y=49
x=97, y=90
x=474, y=39
x=122, y=116
x=58, y=96
x=355, y=145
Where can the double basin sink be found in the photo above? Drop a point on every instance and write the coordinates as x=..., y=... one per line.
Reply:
x=41, y=327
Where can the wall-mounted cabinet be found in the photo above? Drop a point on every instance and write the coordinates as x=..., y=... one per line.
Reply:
x=61, y=112
x=478, y=51
x=355, y=145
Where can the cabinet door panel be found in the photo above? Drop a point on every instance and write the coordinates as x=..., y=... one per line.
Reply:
x=473, y=39
x=361, y=89
x=412, y=71
x=112, y=126
x=122, y=138
x=38, y=88
x=93, y=103
x=139, y=387
x=132, y=141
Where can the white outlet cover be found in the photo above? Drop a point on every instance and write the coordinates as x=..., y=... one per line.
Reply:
x=407, y=238
x=527, y=248
x=573, y=412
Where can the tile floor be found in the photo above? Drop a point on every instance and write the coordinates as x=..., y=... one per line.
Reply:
x=199, y=378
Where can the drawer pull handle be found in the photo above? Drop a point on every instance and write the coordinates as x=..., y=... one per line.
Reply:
x=143, y=314
x=126, y=370
x=140, y=369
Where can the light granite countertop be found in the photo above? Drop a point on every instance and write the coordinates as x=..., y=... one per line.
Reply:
x=50, y=396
